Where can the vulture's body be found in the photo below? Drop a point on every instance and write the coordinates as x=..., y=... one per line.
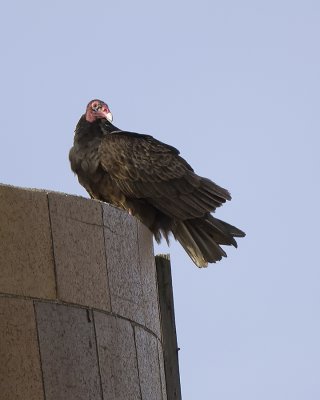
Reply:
x=151, y=181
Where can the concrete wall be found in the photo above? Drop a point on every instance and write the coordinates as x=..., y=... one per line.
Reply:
x=79, y=315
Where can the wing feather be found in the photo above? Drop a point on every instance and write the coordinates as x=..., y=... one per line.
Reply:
x=145, y=168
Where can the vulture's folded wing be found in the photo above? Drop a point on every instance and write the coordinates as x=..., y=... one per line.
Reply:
x=146, y=168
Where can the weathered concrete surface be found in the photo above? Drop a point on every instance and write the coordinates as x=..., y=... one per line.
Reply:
x=26, y=257
x=117, y=354
x=79, y=251
x=149, y=368
x=79, y=310
x=68, y=352
x=122, y=253
x=148, y=279
x=20, y=369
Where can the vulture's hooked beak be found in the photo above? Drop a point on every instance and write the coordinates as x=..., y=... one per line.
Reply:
x=109, y=116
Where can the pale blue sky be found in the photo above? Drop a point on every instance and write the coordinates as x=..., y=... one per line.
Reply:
x=235, y=85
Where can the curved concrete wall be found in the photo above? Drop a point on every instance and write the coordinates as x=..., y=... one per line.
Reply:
x=79, y=313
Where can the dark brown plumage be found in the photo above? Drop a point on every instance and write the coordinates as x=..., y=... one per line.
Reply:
x=150, y=180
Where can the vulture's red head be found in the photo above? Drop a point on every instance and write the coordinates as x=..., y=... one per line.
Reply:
x=98, y=109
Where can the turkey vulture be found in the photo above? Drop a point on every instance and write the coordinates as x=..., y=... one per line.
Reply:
x=151, y=181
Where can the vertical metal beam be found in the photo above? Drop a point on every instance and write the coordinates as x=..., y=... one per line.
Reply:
x=168, y=327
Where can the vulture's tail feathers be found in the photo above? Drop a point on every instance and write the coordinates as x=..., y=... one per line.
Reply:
x=201, y=238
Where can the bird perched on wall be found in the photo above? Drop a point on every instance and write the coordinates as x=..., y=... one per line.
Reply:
x=151, y=181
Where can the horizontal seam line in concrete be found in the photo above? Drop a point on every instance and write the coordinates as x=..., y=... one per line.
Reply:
x=76, y=219
x=113, y=232
x=102, y=225
x=82, y=306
